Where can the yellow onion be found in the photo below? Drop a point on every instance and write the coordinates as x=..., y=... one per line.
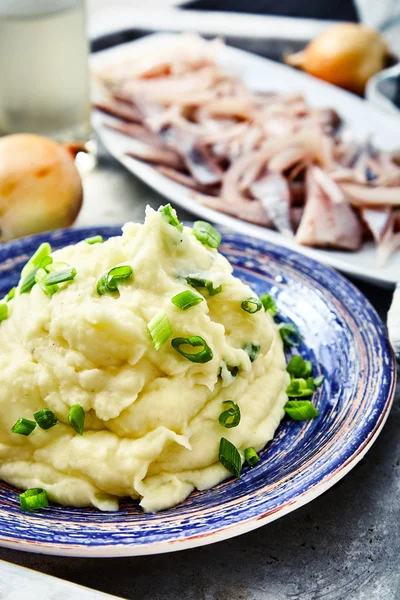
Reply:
x=40, y=187
x=346, y=55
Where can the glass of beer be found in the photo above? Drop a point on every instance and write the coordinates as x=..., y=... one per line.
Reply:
x=44, y=80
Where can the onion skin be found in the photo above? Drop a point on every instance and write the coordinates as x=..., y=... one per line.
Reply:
x=346, y=55
x=40, y=187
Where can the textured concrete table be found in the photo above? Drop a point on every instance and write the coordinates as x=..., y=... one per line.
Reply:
x=344, y=545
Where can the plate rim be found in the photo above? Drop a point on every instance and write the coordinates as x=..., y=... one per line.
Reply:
x=181, y=196
x=243, y=526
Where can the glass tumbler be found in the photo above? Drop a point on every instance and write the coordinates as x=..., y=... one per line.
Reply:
x=44, y=78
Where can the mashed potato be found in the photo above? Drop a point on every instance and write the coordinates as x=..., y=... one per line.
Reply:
x=151, y=427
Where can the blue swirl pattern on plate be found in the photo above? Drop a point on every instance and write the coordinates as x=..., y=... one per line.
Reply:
x=342, y=336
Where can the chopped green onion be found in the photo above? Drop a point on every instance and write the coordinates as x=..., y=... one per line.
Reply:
x=95, y=239
x=160, y=329
x=45, y=418
x=300, y=388
x=196, y=282
x=203, y=356
x=10, y=294
x=35, y=260
x=298, y=367
x=212, y=290
x=102, y=285
x=206, y=234
x=230, y=417
x=33, y=499
x=300, y=410
x=3, y=312
x=251, y=456
x=289, y=334
x=46, y=262
x=23, y=426
x=170, y=214
x=269, y=304
x=29, y=281
x=229, y=457
x=40, y=278
x=56, y=266
x=118, y=274
x=187, y=299
x=251, y=305
x=110, y=281
x=233, y=370
x=318, y=380
x=252, y=350
x=76, y=418
x=56, y=277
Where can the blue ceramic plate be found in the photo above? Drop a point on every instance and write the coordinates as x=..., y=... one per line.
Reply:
x=342, y=335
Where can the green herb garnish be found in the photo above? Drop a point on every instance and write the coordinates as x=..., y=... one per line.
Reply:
x=170, y=214
x=231, y=416
x=186, y=299
x=33, y=499
x=298, y=367
x=229, y=457
x=206, y=234
x=251, y=457
x=45, y=418
x=160, y=329
x=300, y=410
x=251, y=305
x=76, y=418
x=289, y=334
x=195, y=341
x=269, y=304
x=23, y=426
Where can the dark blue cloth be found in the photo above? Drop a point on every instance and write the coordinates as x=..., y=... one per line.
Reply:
x=341, y=10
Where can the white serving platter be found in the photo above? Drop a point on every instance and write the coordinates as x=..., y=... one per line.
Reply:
x=362, y=118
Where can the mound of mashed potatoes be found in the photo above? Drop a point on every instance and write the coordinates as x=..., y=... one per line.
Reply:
x=151, y=416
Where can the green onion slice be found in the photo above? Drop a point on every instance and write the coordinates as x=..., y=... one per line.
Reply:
x=23, y=426
x=187, y=299
x=289, y=334
x=170, y=214
x=45, y=418
x=118, y=274
x=298, y=367
x=95, y=239
x=56, y=277
x=206, y=234
x=33, y=499
x=230, y=417
x=252, y=350
x=251, y=456
x=229, y=457
x=35, y=260
x=233, y=370
x=269, y=304
x=109, y=282
x=160, y=329
x=76, y=418
x=300, y=410
x=300, y=388
x=3, y=312
x=40, y=278
x=318, y=380
x=29, y=281
x=195, y=341
x=10, y=294
x=102, y=285
x=251, y=305
x=197, y=282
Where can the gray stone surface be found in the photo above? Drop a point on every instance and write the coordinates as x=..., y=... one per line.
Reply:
x=344, y=545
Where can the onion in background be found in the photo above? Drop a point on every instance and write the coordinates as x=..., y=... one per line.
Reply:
x=40, y=187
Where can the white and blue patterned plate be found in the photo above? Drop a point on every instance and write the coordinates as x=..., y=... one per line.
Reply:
x=342, y=335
